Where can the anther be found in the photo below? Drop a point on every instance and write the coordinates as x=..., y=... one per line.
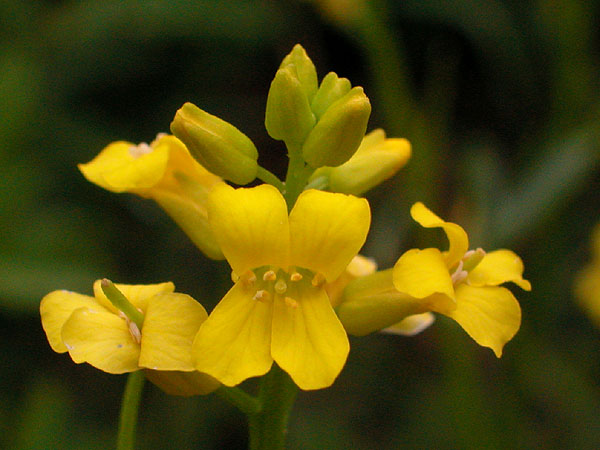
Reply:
x=261, y=296
x=270, y=275
x=139, y=150
x=234, y=277
x=459, y=274
x=289, y=301
x=296, y=276
x=135, y=332
x=280, y=286
x=248, y=278
x=318, y=280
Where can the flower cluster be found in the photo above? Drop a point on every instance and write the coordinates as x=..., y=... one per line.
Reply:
x=299, y=284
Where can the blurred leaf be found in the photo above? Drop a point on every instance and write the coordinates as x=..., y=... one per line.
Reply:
x=547, y=184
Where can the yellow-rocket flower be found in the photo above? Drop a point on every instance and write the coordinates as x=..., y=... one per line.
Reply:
x=587, y=283
x=165, y=172
x=278, y=310
x=93, y=331
x=462, y=284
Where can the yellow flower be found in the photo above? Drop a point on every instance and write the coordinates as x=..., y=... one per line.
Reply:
x=587, y=283
x=92, y=330
x=462, y=284
x=165, y=172
x=278, y=309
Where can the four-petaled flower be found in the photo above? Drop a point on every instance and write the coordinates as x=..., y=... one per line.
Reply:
x=462, y=284
x=278, y=309
x=164, y=171
x=92, y=330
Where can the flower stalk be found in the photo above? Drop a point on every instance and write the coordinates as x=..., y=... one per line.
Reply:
x=129, y=410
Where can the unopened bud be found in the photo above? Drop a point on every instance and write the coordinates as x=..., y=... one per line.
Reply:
x=338, y=134
x=332, y=89
x=288, y=116
x=305, y=69
x=217, y=145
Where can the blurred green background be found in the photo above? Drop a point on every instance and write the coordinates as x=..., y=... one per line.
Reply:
x=500, y=100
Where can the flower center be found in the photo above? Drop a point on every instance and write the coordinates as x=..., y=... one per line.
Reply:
x=469, y=261
x=273, y=282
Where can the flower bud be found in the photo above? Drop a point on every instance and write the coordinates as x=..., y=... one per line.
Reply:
x=183, y=384
x=376, y=160
x=305, y=70
x=288, y=116
x=338, y=134
x=332, y=88
x=217, y=145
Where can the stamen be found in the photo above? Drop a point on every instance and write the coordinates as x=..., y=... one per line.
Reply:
x=318, y=280
x=280, y=286
x=248, y=278
x=234, y=277
x=135, y=332
x=261, y=296
x=459, y=274
x=289, y=301
x=296, y=276
x=270, y=275
x=139, y=150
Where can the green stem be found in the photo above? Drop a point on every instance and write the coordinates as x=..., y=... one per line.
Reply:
x=120, y=302
x=297, y=176
x=268, y=427
x=243, y=401
x=129, y=410
x=269, y=178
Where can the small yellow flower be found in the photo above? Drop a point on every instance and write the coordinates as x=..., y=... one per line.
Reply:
x=92, y=330
x=587, y=283
x=278, y=309
x=462, y=284
x=165, y=172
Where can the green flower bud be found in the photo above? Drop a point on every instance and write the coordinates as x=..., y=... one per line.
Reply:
x=338, y=134
x=305, y=69
x=217, y=145
x=332, y=88
x=288, y=117
x=376, y=160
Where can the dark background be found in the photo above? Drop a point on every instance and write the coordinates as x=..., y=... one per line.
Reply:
x=500, y=101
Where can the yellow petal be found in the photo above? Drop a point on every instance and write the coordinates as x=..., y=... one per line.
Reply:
x=411, y=325
x=360, y=266
x=234, y=342
x=308, y=340
x=102, y=339
x=498, y=267
x=490, y=315
x=459, y=241
x=122, y=167
x=421, y=273
x=180, y=163
x=170, y=325
x=137, y=294
x=55, y=309
x=327, y=230
x=184, y=384
x=251, y=226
